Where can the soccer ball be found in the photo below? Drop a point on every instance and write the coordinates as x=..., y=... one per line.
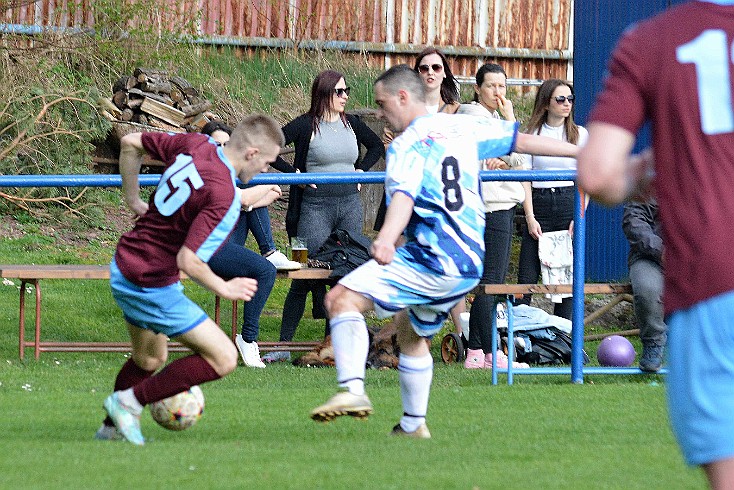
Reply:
x=181, y=411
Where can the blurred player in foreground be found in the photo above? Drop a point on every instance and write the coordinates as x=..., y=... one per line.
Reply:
x=675, y=70
x=433, y=196
x=189, y=216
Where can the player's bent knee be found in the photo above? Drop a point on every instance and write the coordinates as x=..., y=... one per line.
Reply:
x=150, y=362
x=333, y=299
x=227, y=362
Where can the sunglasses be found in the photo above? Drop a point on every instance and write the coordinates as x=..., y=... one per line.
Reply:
x=562, y=98
x=341, y=92
x=436, y=67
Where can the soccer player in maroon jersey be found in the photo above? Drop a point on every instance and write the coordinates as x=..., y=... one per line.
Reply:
x=188, y=217
x=675, y=70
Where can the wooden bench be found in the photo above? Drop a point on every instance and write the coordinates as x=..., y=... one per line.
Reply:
x=451, y=345
x=33, y=274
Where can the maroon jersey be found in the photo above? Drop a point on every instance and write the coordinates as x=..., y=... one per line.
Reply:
x=195, y=205
x=676, y=70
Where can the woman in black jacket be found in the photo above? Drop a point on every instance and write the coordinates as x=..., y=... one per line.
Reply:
x=326, y=139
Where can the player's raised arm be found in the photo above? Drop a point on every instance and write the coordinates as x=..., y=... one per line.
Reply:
x=542, y=145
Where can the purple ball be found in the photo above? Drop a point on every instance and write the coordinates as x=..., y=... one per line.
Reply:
x=616, y=351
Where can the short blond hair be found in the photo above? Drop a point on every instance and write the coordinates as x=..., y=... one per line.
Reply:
x=256, y=130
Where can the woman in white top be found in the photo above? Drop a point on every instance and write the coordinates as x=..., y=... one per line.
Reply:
x=500, y=201
x=549, y=205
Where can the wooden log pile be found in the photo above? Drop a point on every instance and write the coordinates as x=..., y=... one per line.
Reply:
x=153, y=97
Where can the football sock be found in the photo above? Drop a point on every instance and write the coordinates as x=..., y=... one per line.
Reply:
x=130, y=375
x=415, y=375
x=351, y=341
x=178, y=376
x=127, y=397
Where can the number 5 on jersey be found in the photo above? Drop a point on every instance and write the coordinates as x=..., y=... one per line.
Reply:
x=176, y=185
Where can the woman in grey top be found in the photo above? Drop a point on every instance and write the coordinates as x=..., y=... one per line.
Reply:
x=326, y=139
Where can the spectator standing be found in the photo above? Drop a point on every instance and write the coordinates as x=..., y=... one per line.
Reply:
x=549, y=205
x=442, y=96
x=326, y=139
x=500, y=201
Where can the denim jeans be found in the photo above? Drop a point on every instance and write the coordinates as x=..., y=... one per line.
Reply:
x=233, y=260
x=497, y=242
x=258, y=222
x=553, y=208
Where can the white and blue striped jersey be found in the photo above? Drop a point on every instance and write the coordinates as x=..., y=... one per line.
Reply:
x=435, y=161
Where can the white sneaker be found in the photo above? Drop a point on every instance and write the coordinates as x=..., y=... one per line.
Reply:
x=281, y=262
x=250, y=352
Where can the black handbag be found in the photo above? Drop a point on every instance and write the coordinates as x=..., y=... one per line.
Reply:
x=343, y=252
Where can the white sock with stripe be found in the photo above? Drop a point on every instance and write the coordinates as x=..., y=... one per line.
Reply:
x=415, y=374
x=350, y=340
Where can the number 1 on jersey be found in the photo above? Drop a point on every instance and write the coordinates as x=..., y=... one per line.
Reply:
x=712, y=54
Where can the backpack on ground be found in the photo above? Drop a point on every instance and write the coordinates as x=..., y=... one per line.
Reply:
x=543, y=346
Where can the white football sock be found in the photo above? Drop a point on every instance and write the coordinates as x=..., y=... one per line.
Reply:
x=415, y=374
x=127, y=397
x=351, y=341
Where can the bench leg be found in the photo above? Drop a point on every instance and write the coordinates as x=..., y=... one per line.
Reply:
x=21, y=322
x=217, y=305
x=234, y=319
x=21, y=319
x=510, y=340
x=493, y=338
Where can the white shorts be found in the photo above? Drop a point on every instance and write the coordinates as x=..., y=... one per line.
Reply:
x=398, y=285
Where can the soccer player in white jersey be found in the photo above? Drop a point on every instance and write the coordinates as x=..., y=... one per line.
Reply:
x=433, y=195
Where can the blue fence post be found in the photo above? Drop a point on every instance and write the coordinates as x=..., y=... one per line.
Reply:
x=579, y=279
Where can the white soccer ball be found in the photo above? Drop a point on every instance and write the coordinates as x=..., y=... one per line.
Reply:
x=180, y=411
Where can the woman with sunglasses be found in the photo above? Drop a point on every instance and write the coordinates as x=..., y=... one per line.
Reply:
x=549, y=205
x=500, y=201
x=326, y=139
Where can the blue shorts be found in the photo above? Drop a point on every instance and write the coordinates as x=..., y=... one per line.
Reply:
x=701, y=379
x=163, y=310
x=398, y=285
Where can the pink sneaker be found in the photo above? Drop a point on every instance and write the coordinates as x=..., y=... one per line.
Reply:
x=503, y=361
x=474, y=359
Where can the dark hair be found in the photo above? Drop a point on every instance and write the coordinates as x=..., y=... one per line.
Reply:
x=403, y=77
x=449, y=85
x=322, y=91
x=215, y=125
x=482, y=72
x=540, y=110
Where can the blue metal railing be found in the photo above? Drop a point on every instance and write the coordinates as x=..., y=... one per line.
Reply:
x=577, y=369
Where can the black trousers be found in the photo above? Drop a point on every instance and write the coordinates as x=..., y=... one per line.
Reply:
x=497, y=242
